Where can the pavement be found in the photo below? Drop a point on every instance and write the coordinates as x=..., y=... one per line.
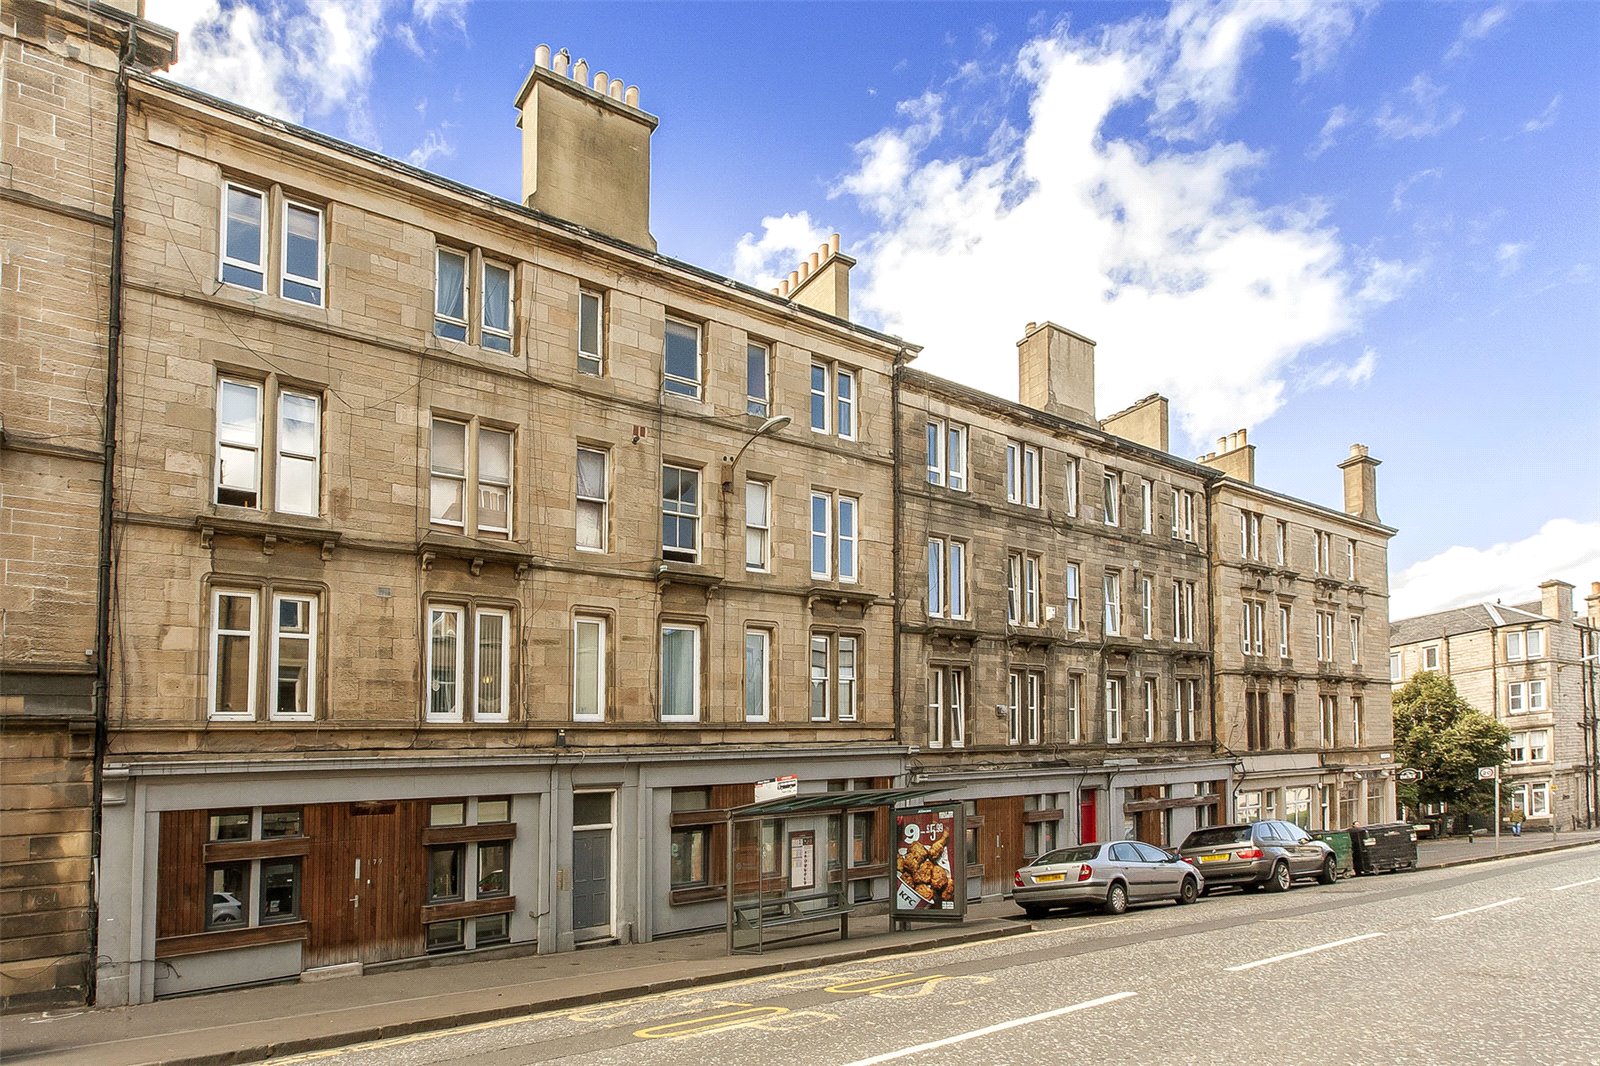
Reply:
x=254, y=1024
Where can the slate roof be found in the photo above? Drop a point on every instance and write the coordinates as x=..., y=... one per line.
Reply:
x=1469, y=619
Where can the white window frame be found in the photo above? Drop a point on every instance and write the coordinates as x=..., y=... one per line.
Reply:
x=1355, y=639
x=758, y=527
x=1185, y=708
x=947, y=707
x=694, y=516
x=1071, y=474
x=1350, y=558
x=1147, y=500
x=286, y=456
x=1394, y=666
x=224, y=260
x=1150, y=709
x=1031, y=583
x=1327, y=720
x=1035, y=707
x=485, y=331
x=253, y=447
x=1111, y=490
x=1014, y=686
x=821, y=399
x=1529, y=746
x=947, y=578
x=1177, y=532
x=1111, y=586
x=504, y=665
x=1074, y=709
x=462, y=479
x=285, y=279
x=1430, y=652
x=311, y=601
x=598, y=624
x=844, y=405
x=1536, y=799
x=1023, y=462
x=1536, y=695
x=1113, y=704
x=1358, y=720
x=596, y=358
x=601, y=502
x=1283, y=543
x=457, y=712
x=819, y=696
x=252, y=635
x=1284, y=621
x=842, y=504
x=676, y=384
x=765, y=680
x=947, y=454
x=480, y=481
x=1147, y=607
x=845, y=706
x=1074, y=600
x=440, y=318
x=694, y=664
x=822, y=510
x=760, y=406
x=1249, y=535
x=1535, y=643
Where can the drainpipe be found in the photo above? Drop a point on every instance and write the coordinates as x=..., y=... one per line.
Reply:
x=895, y=554
x=108, y=473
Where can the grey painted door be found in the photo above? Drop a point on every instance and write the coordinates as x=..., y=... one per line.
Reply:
x=591, y=883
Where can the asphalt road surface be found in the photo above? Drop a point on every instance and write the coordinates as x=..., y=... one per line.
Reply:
x=1494, y=963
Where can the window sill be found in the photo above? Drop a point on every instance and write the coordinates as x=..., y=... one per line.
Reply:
x=461, y=834
x=228, y=939
x=697, y=894
x=238, y=850
x=474, y=908
x=270, y=526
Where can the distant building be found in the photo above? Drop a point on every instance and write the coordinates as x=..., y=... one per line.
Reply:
x=1533, y=667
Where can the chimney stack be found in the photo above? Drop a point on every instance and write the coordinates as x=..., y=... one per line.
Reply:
x=1555, y=600
x=1360, y=484
x=822, y=281
x=1235, y=456
x=1055, y=372
x=1146, y=422
x=585, y=148
x=1592, y=602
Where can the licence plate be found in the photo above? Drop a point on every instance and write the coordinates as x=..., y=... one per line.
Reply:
x=1047, y=878
x=1215, y=858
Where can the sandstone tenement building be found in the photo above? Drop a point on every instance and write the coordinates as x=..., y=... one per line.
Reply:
x=1533, y=667
x=463, y=561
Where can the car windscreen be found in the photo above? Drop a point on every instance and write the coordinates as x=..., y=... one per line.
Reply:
x=1210, y=838
x=1055, y=858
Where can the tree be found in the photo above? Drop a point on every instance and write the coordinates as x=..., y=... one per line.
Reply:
x=1444, y=736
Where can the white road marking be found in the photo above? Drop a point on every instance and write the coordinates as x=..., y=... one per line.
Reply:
x=1303, y=951
x=1475, y=910
x=988, y=1029
x=1576, y=884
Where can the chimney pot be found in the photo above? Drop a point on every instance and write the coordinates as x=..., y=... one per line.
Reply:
x=783, y=287
x=560, y=62
x=615, y=92
x=833, y=244
x=805, y=270
x=541, y=56
x=815, y=260
x=631, y=97
x=794, y=278
x=580, y=72
x=602, y=83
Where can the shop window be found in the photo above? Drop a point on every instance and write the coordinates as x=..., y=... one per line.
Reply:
x=494, y=865
x=491, y=930
x=691, y=849
x=445, y=936
x=445, y=864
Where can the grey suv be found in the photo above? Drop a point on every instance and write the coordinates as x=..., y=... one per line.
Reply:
x=1268, y=854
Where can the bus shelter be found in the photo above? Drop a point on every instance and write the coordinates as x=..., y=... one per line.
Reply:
x=785, y=863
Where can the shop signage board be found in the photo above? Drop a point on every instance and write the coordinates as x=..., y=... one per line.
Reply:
x=774, y=788
x=930, y=880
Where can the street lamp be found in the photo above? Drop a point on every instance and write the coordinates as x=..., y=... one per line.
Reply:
x=771, y=425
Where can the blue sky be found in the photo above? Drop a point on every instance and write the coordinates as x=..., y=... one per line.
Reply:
x=1322, y=222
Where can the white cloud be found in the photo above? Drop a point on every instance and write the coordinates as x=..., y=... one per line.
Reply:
x=1544, y=119
x=1153, y=251
x=1563, y=549
x=1338, y=119
x=1509, y=256
x=1397, y=200
x=293, y=58
x=1206, y=45
x=1474, y=29
x=785, y=240
x=1385, y=280
x=434, y=144
x=1419, y=113
x=1331, y=374
x=452, y=11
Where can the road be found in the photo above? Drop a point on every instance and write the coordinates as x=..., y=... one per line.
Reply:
x=1494, y=963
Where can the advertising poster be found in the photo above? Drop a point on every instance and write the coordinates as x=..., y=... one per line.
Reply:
x=803, y=859
x=929, y=866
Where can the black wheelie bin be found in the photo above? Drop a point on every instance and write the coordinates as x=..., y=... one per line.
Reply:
x=1378, y=849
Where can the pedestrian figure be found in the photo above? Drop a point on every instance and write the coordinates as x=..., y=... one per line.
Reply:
x=1516, y=821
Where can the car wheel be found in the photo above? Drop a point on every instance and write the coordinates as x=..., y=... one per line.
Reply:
x=1034, y=910
x=1116, y=898
x=1279, y=879
x=1188, y=892
x=1330, y=871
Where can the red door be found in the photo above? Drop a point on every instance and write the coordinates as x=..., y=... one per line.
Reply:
x=1088, y=815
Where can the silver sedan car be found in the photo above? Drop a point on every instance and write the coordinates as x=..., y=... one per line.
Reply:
x=1109, y=876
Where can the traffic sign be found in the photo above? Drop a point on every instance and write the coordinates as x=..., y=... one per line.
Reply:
x=1409, y=773
x=1488, y=773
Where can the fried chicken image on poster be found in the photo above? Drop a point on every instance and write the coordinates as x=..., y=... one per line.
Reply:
x=924, y=879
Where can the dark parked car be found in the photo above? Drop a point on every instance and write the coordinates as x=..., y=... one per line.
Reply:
x=1109, y=876
x=1267, y=854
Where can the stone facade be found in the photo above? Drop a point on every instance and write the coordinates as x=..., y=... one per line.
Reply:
x=468, y=562
x=58, y=132
x=1531, y=666
x=1301, y=612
